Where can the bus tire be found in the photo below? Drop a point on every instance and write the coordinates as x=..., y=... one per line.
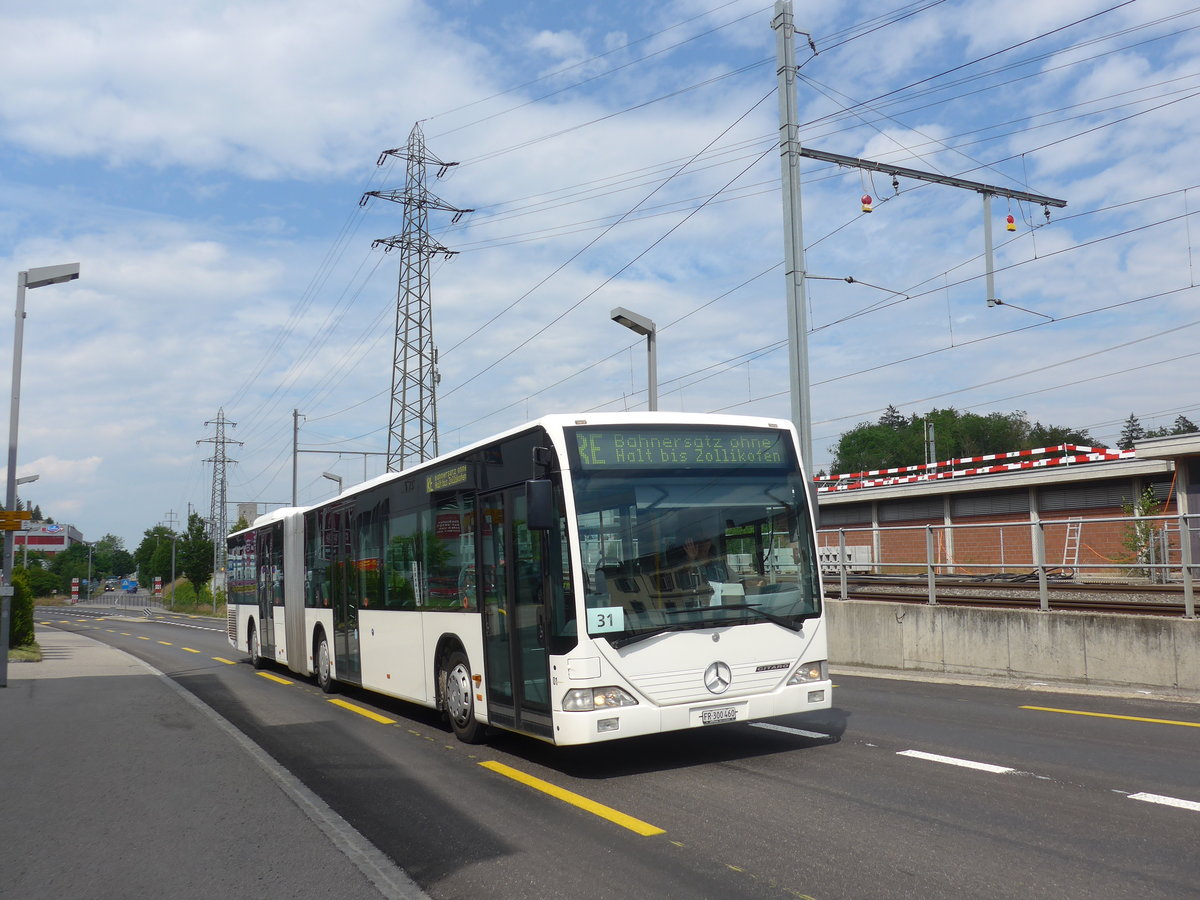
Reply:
x=323, y=666
x=458, y=698
x=254, y=648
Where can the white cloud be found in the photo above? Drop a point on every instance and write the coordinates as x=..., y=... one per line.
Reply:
x=204, y=163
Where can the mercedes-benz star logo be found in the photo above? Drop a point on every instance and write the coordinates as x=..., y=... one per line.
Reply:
x=717, y=677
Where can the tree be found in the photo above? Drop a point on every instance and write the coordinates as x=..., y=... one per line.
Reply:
x=20, y=629
x=1131, y=433
x=1138, y=536
x=195, y=554
x=71, y=563
x=153, y=555
x=1183, y=425
x=122, y=563
x=896, y=441
x=42, y=582
x=892, y=418
x=240, y=525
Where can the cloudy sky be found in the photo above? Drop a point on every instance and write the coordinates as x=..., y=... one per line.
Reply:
x=204, y=161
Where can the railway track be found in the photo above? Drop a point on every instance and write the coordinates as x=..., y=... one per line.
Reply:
x=1141, y=599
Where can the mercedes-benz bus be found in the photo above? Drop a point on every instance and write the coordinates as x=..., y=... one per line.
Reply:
x=577, y=579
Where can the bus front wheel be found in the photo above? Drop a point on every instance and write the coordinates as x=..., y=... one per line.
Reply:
x=324, y=668
x=458, y=698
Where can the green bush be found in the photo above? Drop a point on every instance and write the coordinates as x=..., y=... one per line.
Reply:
x=20, y=631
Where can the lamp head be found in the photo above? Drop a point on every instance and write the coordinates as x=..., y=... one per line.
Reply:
x=35, y=278
x=632, y=321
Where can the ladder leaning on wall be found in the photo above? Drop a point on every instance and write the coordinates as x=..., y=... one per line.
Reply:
x=1071, y=544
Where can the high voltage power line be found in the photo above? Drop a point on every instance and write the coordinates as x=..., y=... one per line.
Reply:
x=911, y=6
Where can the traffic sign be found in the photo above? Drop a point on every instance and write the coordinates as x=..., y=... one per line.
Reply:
x=10, y=520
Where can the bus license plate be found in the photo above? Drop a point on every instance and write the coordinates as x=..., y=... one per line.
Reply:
x=718, y=715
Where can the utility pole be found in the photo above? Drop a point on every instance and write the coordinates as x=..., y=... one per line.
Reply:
x=793, y=231
x=790, y=153
x=172, y=519
x=218, y=522
x=296, y=417
x=412, y=422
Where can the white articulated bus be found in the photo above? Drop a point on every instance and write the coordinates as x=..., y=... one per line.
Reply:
x=578, y=579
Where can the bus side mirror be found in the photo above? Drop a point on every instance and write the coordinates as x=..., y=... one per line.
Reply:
x=539, y=505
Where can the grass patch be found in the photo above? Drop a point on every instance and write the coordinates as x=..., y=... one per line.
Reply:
x=28, y=653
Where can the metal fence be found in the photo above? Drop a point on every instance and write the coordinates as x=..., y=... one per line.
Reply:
x=1119, y=550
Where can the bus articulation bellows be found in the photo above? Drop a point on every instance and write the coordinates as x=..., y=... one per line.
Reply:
x=578, y=579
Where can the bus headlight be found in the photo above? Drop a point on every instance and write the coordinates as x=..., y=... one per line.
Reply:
x=584, y=699
x=809, y=672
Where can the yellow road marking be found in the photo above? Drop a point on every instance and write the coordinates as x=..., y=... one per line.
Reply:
x=373, y=716
x=140, y=638
x=125, y=634
x=228, y=662
x=189, y=649
x=1079, y=712
x=275, y=678
x=605, y=812
x=166, y=643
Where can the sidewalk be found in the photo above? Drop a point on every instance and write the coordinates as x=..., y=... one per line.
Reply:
x=115, y=782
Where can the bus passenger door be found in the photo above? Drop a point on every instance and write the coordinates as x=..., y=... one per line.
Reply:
x=266, y=593
x=515, y=615
x=343, y=589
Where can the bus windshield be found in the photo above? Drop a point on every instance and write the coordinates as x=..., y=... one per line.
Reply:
x=703, y=547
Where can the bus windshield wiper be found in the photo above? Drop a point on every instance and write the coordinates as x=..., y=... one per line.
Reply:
x=753, y=607
x=646, y=635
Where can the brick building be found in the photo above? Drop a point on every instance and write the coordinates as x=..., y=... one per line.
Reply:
x=996, y=514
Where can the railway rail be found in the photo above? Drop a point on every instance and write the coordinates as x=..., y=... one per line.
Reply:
x=1018, y=592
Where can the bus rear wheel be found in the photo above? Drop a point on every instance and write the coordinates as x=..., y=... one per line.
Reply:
x=254, y=648
x=324, y=668
x=458, y=698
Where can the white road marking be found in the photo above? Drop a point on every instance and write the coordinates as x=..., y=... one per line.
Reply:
x=955, y=761
x=1167, y=801
x=799, y=731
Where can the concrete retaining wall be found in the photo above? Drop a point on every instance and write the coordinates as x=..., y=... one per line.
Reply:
x=1088, y=648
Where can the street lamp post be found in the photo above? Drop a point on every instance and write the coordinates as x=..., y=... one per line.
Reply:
x=642, y=325
x=30, y=278
x=334, y=478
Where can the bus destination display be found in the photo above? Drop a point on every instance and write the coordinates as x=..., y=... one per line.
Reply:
x=604, y=448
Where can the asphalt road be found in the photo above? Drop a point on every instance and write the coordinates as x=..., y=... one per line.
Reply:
x=904, y=789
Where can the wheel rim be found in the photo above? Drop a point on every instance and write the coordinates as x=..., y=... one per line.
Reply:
x=458, y=694
x=323, y=661
x=254, y=654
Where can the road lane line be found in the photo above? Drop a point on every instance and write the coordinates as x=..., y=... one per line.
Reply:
x=275, y=678
x=598, y=809
x=166, y=643
x=189, y=649
x=1080, y=712
x=141, y=638
x=228, y=662
x=362, y=711
x=799, y=731
x=1167, y=801
x=955, y=761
